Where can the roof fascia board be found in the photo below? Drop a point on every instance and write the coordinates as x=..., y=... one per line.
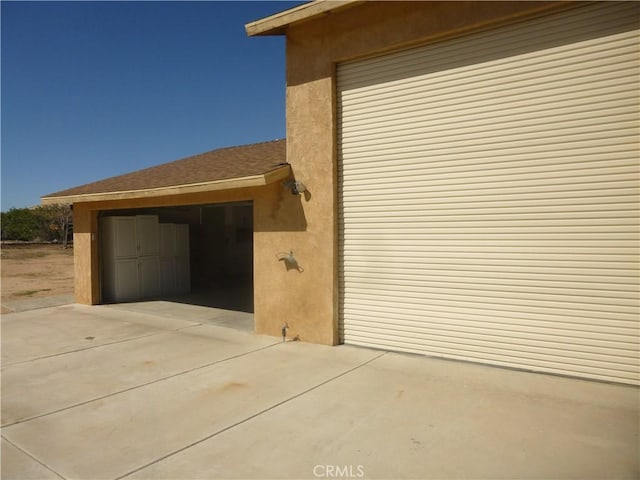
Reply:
x=277, y=24
x=228, y=184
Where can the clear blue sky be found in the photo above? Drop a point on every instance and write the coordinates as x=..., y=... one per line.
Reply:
x=96, y=89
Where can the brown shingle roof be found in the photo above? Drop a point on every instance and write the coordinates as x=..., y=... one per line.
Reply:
x=214, y=166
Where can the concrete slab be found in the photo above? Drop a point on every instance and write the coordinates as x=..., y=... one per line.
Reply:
x=17, y=465
x=194, y=313
x=111, y=437
x=51, y=331
x=410, y=417
x=37, y=303
x=108, y=369
x=163, y=397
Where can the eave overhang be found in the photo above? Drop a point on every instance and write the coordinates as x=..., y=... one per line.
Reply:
x=278, y=23
x=259, y=180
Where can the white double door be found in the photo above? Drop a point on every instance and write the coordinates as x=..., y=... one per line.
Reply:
x=136, y=262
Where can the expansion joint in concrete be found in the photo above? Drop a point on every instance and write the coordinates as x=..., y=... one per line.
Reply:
x=17, y=447
x=90, y=347
x=255, y=415
x=135, y=387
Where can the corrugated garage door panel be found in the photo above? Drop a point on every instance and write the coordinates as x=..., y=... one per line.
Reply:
x=489, y=191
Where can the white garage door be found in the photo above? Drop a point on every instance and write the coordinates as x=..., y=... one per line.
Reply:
x=489, y=196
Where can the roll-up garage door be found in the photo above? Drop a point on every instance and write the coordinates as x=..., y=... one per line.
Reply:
x=488, y=196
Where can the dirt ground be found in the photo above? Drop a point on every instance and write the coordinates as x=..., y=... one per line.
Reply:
x=30, y=271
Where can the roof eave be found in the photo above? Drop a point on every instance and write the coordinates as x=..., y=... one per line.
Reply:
x=227, y=184
x=277, y=24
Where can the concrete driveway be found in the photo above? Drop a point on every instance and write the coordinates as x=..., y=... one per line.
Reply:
x=160, y=391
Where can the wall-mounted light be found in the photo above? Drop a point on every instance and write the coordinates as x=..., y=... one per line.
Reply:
x=295, y=186
x=290, y=261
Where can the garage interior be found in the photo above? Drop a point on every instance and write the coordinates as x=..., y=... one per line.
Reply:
x=220, y=252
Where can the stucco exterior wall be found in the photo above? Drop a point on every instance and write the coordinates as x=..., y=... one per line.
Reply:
x=314, y=48
x=307, y=298
x=276, y=213
x=85, y=253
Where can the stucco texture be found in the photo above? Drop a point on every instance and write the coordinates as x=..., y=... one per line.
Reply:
x=307, y=298
x=314, y=47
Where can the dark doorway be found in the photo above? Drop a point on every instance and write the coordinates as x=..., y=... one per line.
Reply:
x=222, y=257
x=220, y=252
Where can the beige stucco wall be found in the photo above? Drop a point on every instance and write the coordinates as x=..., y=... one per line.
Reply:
x=307, y=299
x=277, y=214
x=314, y=48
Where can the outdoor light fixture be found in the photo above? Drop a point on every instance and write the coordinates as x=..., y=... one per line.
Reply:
x=290, y=261
x=295, y=186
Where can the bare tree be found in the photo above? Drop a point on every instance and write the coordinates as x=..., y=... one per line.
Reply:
x=58, y=221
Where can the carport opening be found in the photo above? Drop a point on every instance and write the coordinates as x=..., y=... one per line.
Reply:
x=220, y=256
